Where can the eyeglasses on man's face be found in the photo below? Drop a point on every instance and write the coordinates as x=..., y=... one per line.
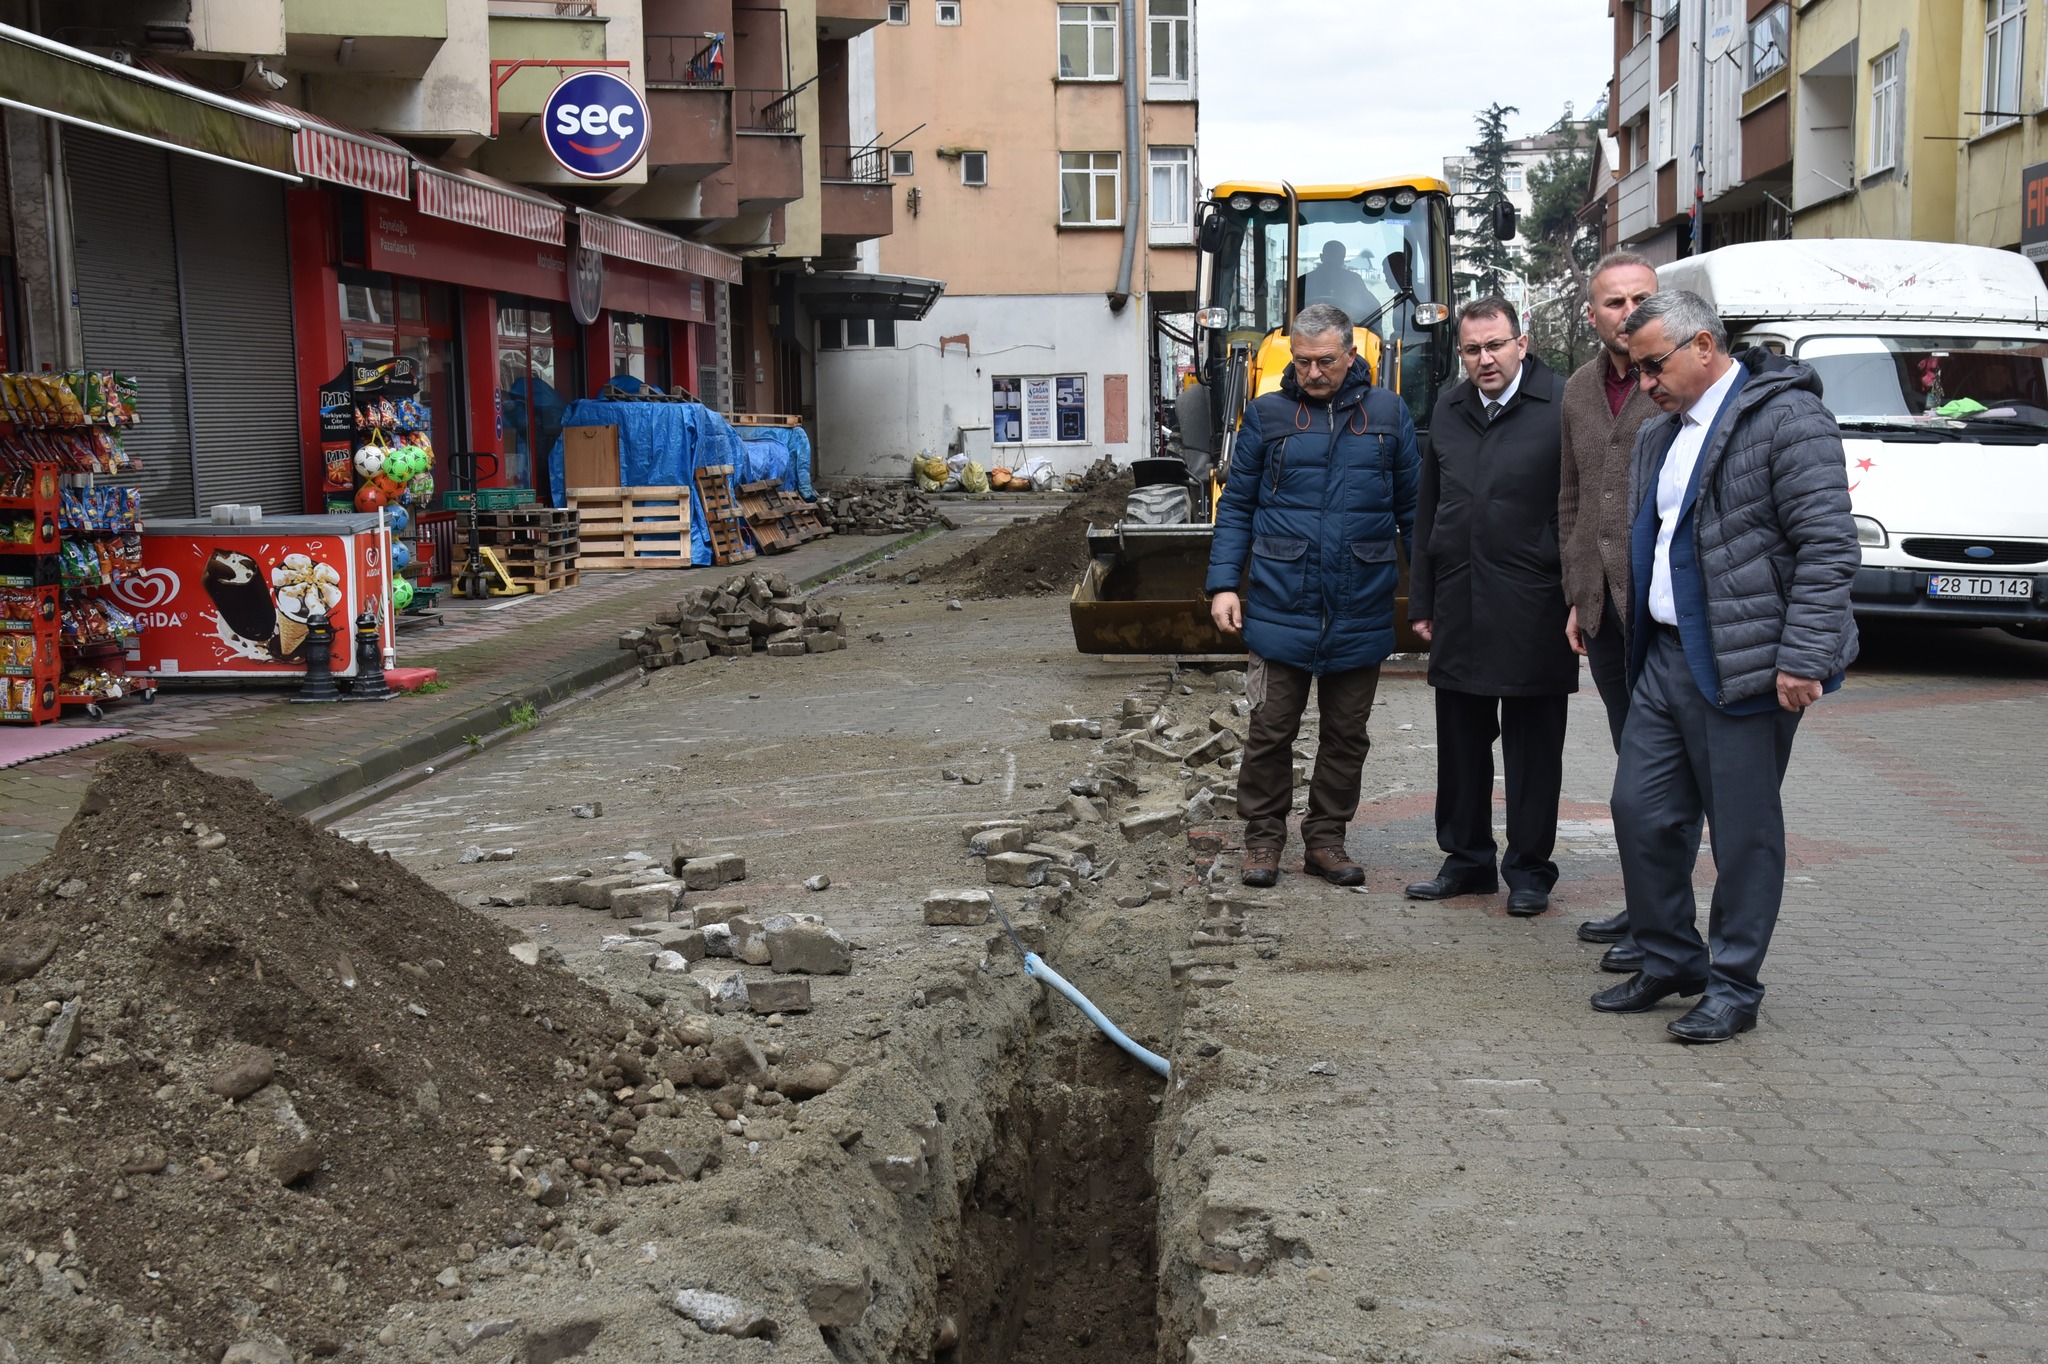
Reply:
x=1325, y=364
x=1472, y=350
x=1655, y=368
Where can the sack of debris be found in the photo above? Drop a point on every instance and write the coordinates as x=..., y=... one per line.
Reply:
x=974, y=478
x=929, y=472
x=1037, y=474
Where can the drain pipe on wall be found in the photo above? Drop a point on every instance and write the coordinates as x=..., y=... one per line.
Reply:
x=1035, y=967
x=1134, y=199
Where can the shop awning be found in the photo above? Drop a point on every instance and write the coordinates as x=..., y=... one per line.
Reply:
x=466, y=196
x=844, y=293
x=54, y=81
x=632, y=241
x=325, y=150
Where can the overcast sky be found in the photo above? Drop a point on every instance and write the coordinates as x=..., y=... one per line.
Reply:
x=1318, y=91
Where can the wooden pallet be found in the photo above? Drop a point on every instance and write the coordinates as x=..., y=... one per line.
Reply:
x=554, y=580
x=527, y=535
x=628, y=528
x=779, y=518
x=730, y=540
x=533, y=516
x=764, y=419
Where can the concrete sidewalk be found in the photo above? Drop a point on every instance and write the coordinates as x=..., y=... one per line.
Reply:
x=493, y=657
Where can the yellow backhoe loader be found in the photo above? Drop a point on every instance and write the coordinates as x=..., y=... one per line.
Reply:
x=1381, y=251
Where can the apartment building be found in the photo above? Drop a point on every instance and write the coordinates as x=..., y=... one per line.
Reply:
x=1699, y=125
x=1522, y=156
x=238, y=200
x=1042, y=159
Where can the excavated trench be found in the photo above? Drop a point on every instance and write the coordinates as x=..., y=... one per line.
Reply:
x=1059, y=1233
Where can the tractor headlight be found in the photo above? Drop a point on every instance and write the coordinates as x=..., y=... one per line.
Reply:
x=1375, y=203
x=1404, y=198
x=1269, y=205
x=1215, y=319
x=1241, y=202
x=1431, y=314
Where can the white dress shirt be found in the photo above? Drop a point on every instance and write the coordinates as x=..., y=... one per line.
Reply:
x=1674, y=480
x=1507, y=394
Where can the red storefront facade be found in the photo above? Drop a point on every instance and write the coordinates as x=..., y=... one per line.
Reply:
x=473, y=279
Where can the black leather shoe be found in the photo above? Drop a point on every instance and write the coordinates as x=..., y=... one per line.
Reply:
x=1712, y=1020
x=1642, y=991
x=1613, y=928
x=1527, y=903
x=1446, y=887
x=1622, y=958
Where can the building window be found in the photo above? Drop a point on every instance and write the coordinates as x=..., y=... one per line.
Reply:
x=1088, y=42
x=1171, y=41
x=1091, y=192
x=949, y=11
x=899, y=11
x=1884, y=111
x=2004, y=30
x=902, y=163
x=1173, y=195
x=1667, y=112
x=856, y=333
x=640, y=348
x=974, y=168
x=1511, y=178
x=1767, y=50
x=1039, y=409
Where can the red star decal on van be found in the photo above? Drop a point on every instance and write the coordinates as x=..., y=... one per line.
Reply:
x=1866, y=464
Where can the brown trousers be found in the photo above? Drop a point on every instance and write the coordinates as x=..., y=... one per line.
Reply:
x=1265, y=782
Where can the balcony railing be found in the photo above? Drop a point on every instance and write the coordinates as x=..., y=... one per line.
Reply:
x=766, y=111
x=545, y=9
x=854, y=165
x=691, y=60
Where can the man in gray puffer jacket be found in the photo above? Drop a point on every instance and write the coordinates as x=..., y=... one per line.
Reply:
x=1742, y=551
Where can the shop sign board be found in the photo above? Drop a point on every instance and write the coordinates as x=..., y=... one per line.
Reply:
x=400, y=239
x=2034, y=212
x=595, y=125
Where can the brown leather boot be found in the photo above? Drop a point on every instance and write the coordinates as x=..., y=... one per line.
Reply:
x=1334, y=865
x=1261, y=867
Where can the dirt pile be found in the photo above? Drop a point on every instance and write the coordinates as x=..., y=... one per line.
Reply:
x=1042, y=556
x=260, y=1080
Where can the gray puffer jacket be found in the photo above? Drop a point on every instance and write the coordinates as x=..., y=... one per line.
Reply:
x=1771, y=529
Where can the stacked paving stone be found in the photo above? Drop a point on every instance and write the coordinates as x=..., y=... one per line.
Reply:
x=863, y=507
x=748, y=613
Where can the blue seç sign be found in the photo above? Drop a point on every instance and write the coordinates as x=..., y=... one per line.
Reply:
x=595, y=125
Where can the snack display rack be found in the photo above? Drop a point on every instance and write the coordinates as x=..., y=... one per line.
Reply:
x=387, y=464
x=64, y=538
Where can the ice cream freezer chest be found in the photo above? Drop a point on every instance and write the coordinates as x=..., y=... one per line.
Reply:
x=218, y=601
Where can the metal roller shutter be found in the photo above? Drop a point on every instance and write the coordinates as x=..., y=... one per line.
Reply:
x=128, y=301
x=238, y=335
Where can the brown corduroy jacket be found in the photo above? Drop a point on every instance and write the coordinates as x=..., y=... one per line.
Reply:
x=1592, y=499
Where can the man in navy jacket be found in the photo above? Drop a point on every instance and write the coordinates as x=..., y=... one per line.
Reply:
x=1303, y=565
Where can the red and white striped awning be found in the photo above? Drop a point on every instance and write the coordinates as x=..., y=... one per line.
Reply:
x=325, y=150
x=633, y=241
x=465, y=196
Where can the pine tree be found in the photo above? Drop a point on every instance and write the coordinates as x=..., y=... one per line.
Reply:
x=1485, y=262
x=1560, y=249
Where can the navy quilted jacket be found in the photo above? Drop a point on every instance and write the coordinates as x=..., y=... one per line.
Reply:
x=1305, y=529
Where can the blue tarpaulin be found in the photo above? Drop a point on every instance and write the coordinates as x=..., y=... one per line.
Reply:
x=797, y=477
x=661, y=445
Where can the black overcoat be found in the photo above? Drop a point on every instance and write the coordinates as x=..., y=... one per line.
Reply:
x=1487, y=573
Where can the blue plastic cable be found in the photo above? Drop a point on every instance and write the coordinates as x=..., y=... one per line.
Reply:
x=1035, y=967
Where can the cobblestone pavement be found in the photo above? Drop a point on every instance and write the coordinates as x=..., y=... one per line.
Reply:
x=490, y=654
x=1497, y=1170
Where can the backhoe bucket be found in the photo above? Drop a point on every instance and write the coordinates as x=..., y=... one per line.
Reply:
x=1142, y=594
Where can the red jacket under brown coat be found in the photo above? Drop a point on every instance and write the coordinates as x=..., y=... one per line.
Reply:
x=1593, y=513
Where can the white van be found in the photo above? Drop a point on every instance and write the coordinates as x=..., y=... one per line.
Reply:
x=1934, y=359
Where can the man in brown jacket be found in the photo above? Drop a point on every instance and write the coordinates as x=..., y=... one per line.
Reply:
x=1603, y=407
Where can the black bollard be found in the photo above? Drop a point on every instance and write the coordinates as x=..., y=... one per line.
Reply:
x=369, y=684
x=319, y=684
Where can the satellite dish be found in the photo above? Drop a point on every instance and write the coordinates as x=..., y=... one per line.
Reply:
x=1719, y=39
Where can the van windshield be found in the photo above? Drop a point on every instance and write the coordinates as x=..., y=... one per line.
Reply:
x=1945, y=383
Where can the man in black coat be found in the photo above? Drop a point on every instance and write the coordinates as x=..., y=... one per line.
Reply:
x=1487, y=592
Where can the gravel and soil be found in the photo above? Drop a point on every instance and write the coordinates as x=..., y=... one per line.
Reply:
x=1043, y=556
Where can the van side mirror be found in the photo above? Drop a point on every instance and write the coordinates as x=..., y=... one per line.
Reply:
x=1504, y=221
